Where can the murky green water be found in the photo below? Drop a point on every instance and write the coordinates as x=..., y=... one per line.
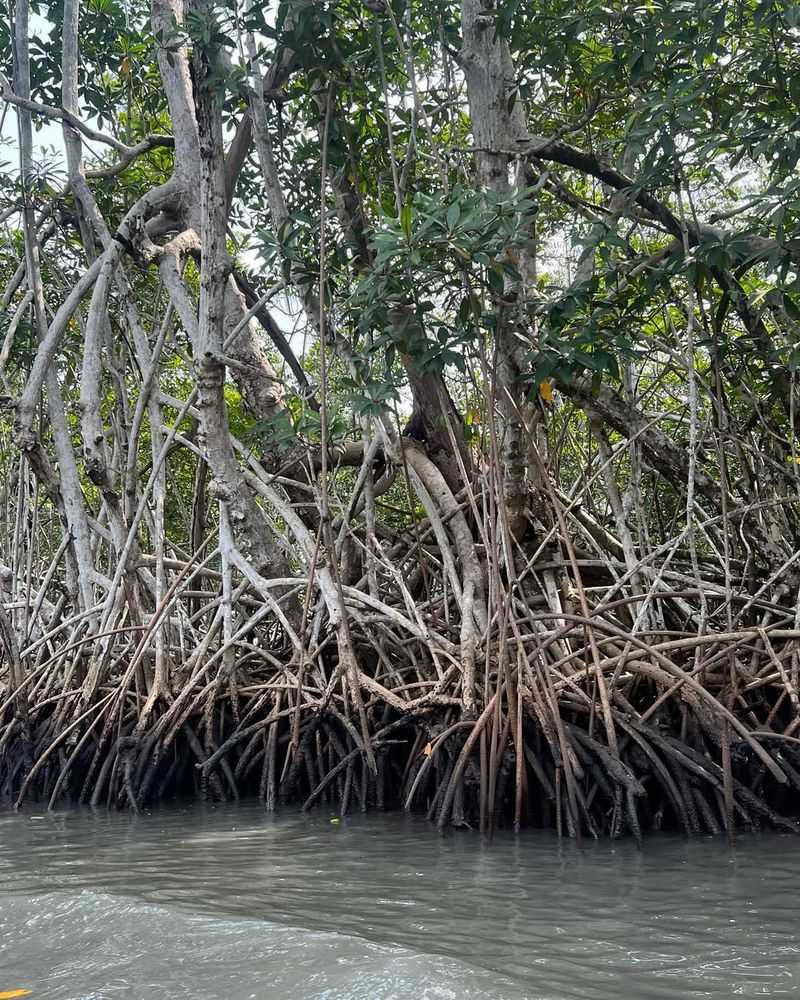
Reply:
x=230, y=904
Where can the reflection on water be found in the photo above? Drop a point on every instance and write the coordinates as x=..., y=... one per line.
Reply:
x=231, y=903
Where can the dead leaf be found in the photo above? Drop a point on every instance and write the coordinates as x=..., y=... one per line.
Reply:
x=428, y=749
x=473, y=417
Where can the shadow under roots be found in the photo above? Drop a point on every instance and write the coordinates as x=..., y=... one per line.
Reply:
x=512, y=765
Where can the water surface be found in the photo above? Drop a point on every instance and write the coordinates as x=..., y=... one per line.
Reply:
x=232, y=904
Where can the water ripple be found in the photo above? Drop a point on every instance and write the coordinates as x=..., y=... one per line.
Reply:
x=235, y=904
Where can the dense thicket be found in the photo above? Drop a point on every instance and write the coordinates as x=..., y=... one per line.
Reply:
x=399, y=407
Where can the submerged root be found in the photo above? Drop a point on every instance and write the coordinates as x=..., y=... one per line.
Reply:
x=534, y=754
x=449, y=669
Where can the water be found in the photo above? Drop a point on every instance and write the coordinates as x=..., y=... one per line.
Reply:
x=230, y=903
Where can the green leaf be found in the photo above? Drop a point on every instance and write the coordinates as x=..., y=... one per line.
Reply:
x=406, y=217
x=453, y=215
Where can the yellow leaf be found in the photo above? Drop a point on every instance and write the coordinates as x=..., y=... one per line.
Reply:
x=546, y=391
x=428, y=749
x=14, y=993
